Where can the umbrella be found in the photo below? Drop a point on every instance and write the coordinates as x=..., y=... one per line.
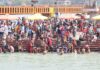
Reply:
x=68, y=16
x=23, y=16
x=83, y=16
x=96, y=17
x=37, y=17
x=8, y=17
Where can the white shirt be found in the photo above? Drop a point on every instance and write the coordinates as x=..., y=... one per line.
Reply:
x=9, y=28
x=23, y=29
x=77, y=35
x=98, y=30
x=95, y=37
x=2, y=28
x=6, y=30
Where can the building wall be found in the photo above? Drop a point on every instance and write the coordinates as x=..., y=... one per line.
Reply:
x=39, y=9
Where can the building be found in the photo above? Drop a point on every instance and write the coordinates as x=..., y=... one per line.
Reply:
x=46, y=10
x=62, y=7
x=63, y=2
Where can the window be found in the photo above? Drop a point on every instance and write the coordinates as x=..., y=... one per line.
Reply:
x=32, y=10
x=18, y=10
x=27, y=10
x=5, y=10
x=47, y=9
x=13, y=10
x=8, y=10
x=22, y=10
x=2, y=10
x=38, y=10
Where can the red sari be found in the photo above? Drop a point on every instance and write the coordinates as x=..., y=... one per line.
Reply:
x=30, y=48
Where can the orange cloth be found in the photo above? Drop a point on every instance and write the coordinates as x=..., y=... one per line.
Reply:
x=17, y=28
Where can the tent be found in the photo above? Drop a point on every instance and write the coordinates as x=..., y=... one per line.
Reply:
x=68, y=16
x=37, y=17
x=96, y=17
x=8, y=17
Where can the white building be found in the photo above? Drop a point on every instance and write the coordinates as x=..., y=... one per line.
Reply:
x=63, y=2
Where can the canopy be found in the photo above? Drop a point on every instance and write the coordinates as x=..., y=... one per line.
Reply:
x=37, y=17
x=68, y=16
x=96, y=17
x=8, y=17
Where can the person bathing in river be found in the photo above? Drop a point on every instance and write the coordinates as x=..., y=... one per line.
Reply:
x=11, y=48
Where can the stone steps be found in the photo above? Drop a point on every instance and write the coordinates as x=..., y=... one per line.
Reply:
x=95, y=46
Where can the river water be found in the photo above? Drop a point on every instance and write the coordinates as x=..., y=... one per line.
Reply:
x=51, y=61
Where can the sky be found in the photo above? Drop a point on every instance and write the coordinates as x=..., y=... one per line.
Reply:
x=28, y=2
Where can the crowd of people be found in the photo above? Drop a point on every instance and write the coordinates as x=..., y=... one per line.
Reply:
x=52, y=35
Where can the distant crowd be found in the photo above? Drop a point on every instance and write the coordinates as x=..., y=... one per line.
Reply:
x=52, y=35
